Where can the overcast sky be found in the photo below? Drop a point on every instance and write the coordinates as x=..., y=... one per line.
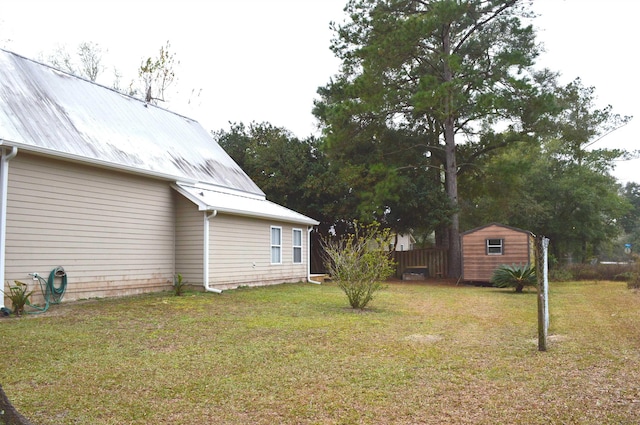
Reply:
x=263, y=60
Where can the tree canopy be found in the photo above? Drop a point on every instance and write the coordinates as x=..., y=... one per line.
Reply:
x=155, y=74
x=437, y=121
x=292, y=172
x=437, y=72
x=557, y=183
x=631, y=220
x=88, y=62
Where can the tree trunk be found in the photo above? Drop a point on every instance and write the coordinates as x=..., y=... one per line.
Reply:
x=451, y=168
x=8, y=414
x=451, y=185
x=442, y=237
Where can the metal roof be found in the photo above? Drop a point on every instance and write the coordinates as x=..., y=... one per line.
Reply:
x=240, y=204
x=516, y=229
x=47, y=111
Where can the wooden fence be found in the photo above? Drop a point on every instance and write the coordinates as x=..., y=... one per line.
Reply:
x=435, y=259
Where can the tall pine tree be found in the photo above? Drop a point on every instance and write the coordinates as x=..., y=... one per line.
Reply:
x=440, y=71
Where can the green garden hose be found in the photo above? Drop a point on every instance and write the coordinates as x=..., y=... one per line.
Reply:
x=52, y=294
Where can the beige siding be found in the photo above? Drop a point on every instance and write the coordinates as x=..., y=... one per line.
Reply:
x=189, y=240
x=478, y=265
x=112, y=232
x=240, y=253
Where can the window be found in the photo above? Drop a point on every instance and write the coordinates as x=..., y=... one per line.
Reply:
x=495, y=246
x=297, y=246
x=276, y=245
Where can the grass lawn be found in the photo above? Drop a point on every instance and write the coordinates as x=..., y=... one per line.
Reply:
x=296, y=354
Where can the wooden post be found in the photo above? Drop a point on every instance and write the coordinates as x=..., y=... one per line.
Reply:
x=542, y=245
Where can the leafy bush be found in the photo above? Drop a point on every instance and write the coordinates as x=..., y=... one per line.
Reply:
x=560, y=275
x=583, y=271
x=625, y=277
x=359, y=262
x=633, y=275
x=178, y=285
x=514, y=276
x=634, y=283
x=594, y=272
x=19, y=297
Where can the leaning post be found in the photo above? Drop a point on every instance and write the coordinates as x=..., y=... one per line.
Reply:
x=542, y=267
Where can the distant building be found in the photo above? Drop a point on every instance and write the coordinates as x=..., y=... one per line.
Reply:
x=404, y=242
x=487, y=247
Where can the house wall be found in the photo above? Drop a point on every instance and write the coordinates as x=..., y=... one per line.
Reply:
x=240, y=253
x=404, y=243
x=112, y=232
x=189, y=240
x=478, y=265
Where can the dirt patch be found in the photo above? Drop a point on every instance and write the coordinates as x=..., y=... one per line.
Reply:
x=429, y=281
x=551, y=338
x=425, y=339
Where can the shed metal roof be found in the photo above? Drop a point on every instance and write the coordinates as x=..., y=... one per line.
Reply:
x=45, y=110
x=515, y=229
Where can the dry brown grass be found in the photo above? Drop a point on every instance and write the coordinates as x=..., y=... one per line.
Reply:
x=295, y=354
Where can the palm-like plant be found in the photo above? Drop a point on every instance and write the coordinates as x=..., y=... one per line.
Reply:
x=19, y=296
x=178, y=285
x=514, y=276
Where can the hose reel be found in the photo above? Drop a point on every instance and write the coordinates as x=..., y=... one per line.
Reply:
x=52, y=294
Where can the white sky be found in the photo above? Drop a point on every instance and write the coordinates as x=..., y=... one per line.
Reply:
x=263, y=60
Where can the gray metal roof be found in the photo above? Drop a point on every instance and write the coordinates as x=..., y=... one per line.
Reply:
x=48, y=111
x=208, y=198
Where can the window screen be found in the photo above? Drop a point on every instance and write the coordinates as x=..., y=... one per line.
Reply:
x=276, y=245
x=297, y=246
x=495, y=246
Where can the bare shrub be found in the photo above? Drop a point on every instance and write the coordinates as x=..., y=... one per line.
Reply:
x=360, y=262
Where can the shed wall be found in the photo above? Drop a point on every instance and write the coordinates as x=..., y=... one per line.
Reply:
x=240, y=253
x=112, y=232
x=479, y=266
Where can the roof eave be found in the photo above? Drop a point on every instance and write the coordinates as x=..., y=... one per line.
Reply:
x=94, y=162
x=203, y=206
x=308, y=222
x=36, y=150
x=516, y=229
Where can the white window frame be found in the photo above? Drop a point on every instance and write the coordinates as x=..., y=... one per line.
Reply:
x=495, y=246
x=296, y=248
x=276, y=245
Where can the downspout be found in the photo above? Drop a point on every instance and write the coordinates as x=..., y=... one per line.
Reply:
x=309, y=229
x=4, y=185
x=205, y=278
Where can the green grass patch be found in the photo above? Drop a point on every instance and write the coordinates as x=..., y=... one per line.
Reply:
x=297, y=354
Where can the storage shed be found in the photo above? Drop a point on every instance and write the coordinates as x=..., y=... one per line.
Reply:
x=487, y=247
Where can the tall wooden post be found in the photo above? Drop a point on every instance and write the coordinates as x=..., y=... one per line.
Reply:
x=542, y=267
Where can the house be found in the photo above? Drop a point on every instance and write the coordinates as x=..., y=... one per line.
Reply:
x=487, y=247
x=124, y=195
x=404, y=242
